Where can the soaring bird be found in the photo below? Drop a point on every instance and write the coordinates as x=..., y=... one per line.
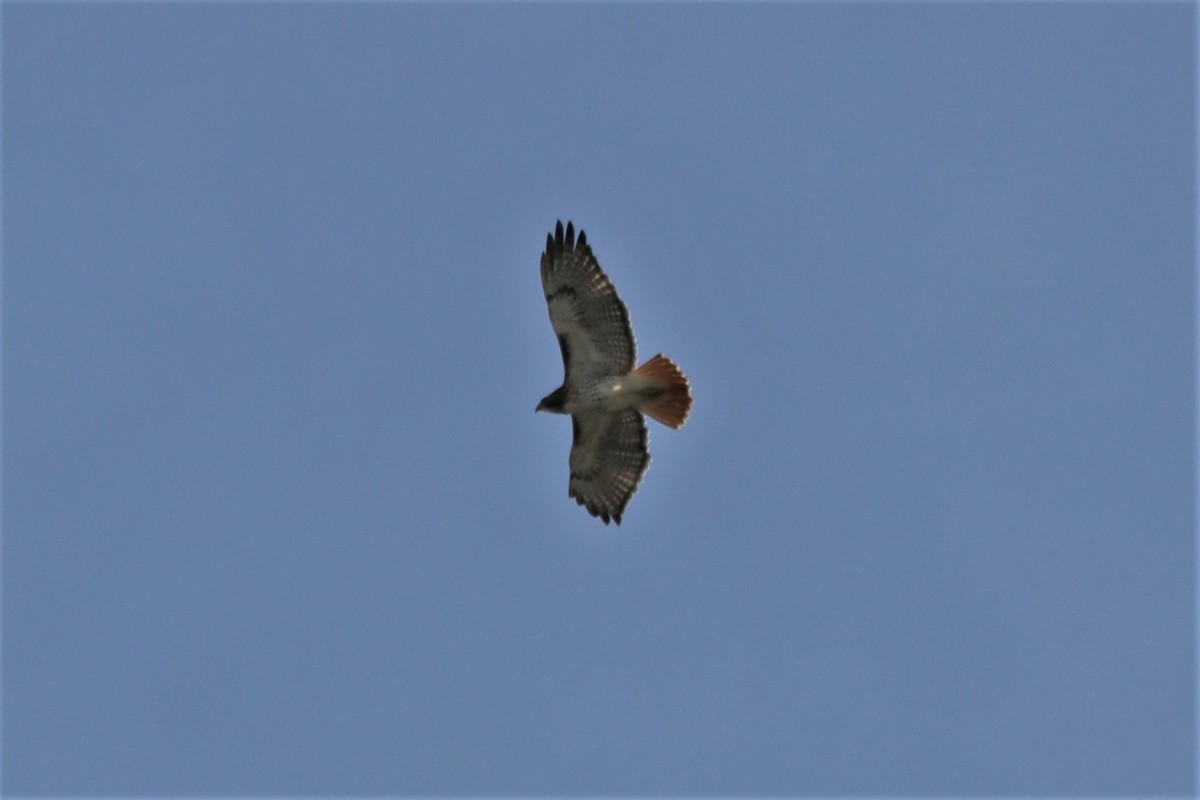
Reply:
x=605, y=396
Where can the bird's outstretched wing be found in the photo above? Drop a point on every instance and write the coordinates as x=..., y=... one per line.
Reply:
x=609, y=455
x=591, y=322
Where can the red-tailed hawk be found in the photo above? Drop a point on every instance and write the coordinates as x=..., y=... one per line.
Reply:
x=601, y=390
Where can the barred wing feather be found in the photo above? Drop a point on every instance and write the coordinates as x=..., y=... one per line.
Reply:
x=609, y=455
x=591, y=322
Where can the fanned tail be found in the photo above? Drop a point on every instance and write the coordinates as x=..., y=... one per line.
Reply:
x=668, y=395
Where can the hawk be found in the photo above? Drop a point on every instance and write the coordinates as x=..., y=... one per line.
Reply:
x=601, y=390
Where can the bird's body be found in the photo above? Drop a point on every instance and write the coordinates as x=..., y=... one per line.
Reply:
x=610, y=393
x=601, y=390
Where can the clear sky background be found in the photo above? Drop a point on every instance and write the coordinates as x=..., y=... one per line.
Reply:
x=279, y=517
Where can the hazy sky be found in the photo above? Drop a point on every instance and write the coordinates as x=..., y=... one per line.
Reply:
x=279, y=517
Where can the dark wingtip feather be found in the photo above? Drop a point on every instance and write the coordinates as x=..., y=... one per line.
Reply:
x=564, y=239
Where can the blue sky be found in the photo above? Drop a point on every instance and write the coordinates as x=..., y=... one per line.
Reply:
x=279, y=517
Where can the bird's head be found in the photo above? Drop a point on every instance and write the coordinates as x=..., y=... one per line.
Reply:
x=553, y=402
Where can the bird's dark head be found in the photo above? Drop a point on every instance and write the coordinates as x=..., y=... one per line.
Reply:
x=553, y=402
